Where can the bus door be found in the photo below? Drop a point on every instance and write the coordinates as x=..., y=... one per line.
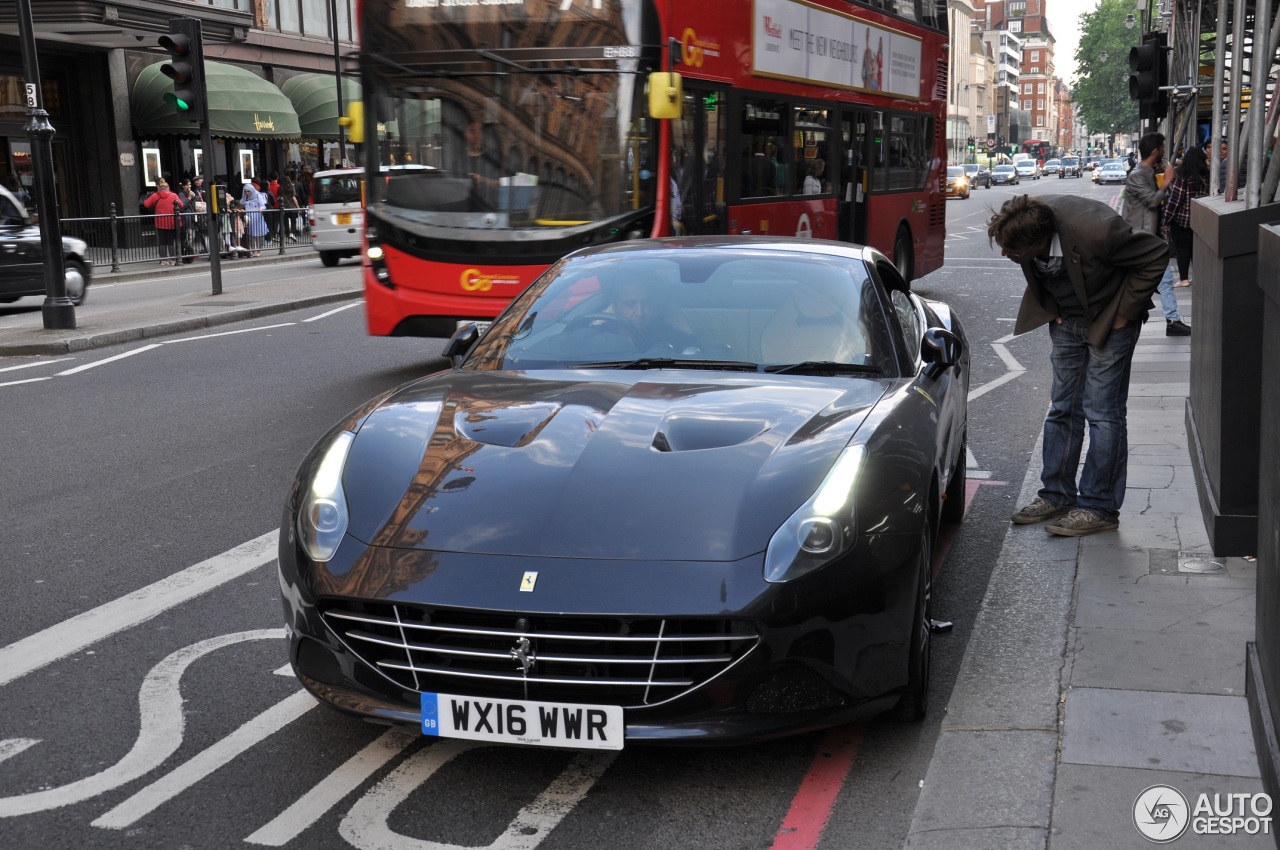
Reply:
x=698, y=156
x=851, y=195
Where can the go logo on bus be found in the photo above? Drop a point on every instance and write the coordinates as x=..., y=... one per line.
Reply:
x=696, y=49
x=474, y=280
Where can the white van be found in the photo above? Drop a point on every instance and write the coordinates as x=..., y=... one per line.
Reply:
x=337, y=213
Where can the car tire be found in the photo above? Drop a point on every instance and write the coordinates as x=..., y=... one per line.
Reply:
x=329, y=259
x=953, y=503
x=77, y=281
x=914, y=704
x=903, y=258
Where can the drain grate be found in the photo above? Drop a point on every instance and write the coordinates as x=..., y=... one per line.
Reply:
x=1188, y=563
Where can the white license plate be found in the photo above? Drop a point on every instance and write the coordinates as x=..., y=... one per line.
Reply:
x=543, y=724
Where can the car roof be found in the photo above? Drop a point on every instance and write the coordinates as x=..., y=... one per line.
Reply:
x=779, y=244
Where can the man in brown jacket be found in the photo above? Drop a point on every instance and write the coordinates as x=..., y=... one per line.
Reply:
x=1089, y=278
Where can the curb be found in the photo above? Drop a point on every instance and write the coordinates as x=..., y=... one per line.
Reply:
x=1002, y=723
x=107, y=338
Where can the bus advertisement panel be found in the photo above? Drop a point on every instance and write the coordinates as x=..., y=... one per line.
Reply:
x=530, y=122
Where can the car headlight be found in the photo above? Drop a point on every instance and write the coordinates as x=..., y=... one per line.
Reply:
x=322, y=517
x=822, y=528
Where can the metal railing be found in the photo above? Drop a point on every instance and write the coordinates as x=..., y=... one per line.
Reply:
x=117, y=240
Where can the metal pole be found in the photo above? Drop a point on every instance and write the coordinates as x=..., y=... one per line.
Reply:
x=1215, y=127
x=337, y=72
x=1259, y=76
x=58, y=311
x=212, y=234
x=1237, y=90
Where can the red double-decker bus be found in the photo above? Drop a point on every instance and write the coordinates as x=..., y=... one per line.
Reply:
x=1040, y=151
x=548, y=125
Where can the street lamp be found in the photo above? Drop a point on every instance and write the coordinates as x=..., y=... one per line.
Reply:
x=1130, y=21
x=1111, y=142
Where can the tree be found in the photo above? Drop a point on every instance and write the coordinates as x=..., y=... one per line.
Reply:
x=1102, y=91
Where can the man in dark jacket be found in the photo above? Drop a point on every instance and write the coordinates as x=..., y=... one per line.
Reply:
x=1089, y=278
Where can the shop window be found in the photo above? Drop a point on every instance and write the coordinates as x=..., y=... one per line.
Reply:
x=290, y=17
x=315, y=18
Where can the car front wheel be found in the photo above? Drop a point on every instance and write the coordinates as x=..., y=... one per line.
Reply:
x=77, y=281
x=914, y=703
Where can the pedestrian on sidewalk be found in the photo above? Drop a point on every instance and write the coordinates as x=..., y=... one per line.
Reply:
x=1190, y=181
x=166, y=205
x=255, y=226
x=288, y=198
x=1090, y=278
x=1143, y=199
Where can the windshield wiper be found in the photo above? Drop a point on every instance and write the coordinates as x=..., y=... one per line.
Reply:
x=821, y=366
x=671, y=363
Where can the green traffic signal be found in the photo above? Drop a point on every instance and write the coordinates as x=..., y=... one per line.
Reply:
x=185, y=67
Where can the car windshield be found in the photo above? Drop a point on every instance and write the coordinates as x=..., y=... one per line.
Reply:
x=972, y=169
x=1069, y=162
x=1053, y=162
x=1004, y=169
x=954, y=171
x=745, y=309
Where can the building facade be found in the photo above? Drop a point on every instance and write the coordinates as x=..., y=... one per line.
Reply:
x=112, y=141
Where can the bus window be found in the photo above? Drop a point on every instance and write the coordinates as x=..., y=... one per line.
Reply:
x=813, y=155
x=763, y=154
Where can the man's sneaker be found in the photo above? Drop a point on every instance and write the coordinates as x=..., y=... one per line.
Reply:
x=1081, y=521
x=1177, y=327
x=1038, y=511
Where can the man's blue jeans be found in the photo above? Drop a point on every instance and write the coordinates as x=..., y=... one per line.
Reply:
x=1089, y=385
x=1168, y=301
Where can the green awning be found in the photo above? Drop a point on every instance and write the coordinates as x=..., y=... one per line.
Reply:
x=242, y=105
x=315, y=99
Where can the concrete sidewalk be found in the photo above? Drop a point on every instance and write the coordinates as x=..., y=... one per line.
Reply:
x=188, y=306
x=1101, y=666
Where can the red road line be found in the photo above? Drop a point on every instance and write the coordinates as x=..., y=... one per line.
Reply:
x=812, y=805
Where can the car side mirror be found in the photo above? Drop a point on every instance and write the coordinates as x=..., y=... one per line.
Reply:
x=940, y=349
x=460, y=343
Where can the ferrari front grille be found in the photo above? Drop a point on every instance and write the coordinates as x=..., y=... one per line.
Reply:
x=620, y=660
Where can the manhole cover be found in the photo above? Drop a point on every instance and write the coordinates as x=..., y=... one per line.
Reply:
x=1200, y=565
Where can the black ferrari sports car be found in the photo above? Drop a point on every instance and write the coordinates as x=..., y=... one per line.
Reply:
x=680, y=491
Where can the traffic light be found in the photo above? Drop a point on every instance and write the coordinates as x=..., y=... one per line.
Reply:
x=186, y=68
x=1150, y=73
x=1000, y=140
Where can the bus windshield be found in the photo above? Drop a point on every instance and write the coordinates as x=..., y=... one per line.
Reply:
x=514, y=134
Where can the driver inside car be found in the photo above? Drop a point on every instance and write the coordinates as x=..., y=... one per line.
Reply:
x=656, y=322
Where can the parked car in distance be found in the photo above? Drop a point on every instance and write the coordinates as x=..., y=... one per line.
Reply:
x=957, y=182
x=1112, y=172
x=22, y=256
x=1053, y=166
x=1004, y=174
x=1028, y=168
x=978, y=174
x=1070, y=167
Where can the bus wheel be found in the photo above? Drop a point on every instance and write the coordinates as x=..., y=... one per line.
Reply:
x=903, y=256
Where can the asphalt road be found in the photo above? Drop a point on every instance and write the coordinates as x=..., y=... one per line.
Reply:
x=136, y=712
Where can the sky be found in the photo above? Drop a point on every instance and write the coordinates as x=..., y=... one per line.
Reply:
x=1064, y=23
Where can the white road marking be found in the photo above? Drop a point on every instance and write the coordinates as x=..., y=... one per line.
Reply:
x=106, y=360
x=31, y=653
x=991, y=385
x=183, y=777
x=228, y=333
x=10, y=747
x=31, y=365
x=159, y=732
x=335, y=310
x=365, y=826
x=27, y=381
x=313, y=805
